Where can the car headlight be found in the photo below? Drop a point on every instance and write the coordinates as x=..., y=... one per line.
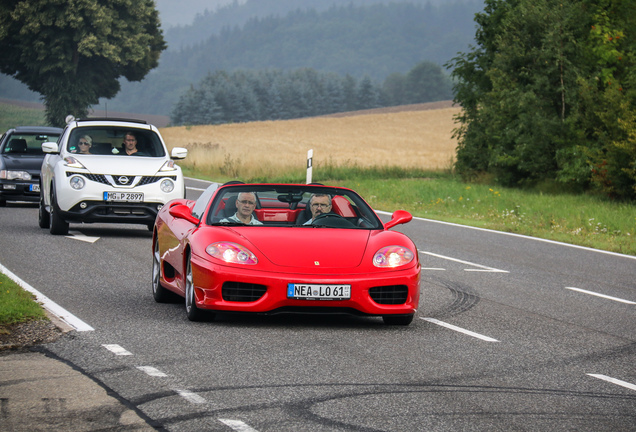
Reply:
x=167, y=186
x=70, y=161
x=77, y=182
x=392, y=256
x=168, y=166
x=231, y=253
x=14, y=175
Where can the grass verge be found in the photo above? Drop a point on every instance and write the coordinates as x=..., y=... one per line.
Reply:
x=580, y=219
x=16, y=304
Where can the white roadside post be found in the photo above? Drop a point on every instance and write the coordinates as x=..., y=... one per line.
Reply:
x=310, y=156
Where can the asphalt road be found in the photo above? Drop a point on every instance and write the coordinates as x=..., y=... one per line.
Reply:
x=512, y=334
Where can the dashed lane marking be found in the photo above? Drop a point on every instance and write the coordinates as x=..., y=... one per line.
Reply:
x=190, y=396
x=152, y=371
x=116, y=349
x=459, y=329
x=238, y=425
x=614, y=381
x=481, y=268
x=601, y=295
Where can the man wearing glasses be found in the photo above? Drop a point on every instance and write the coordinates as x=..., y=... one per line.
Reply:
x=319, y=204
x=245, y=205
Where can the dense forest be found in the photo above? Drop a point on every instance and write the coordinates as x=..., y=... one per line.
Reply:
x=248, y=95
x=362, y=39
x=549, y=95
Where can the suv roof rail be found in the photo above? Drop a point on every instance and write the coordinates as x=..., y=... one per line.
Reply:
x=111, y=119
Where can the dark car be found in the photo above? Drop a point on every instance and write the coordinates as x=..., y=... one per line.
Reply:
x=21, y=159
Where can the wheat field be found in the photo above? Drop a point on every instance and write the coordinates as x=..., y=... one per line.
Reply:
x=419, y=138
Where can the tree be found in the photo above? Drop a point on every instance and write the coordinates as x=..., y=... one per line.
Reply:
x=74, y=52
x=549, y=94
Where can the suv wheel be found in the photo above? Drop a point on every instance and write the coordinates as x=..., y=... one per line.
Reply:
x=58, y=225
x=44, y=217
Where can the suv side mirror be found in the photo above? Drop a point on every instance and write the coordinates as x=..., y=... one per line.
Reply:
x=179, y=153
x=50, y=147
x=397, y=218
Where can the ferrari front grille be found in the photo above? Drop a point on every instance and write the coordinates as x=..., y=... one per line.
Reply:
x=391, y=294
x=242, y=292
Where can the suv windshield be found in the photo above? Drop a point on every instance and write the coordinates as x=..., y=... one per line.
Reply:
x=110, y=140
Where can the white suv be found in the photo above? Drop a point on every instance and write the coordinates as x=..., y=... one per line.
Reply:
x=107, y=170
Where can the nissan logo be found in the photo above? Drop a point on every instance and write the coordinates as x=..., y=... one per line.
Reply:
x=123, y=180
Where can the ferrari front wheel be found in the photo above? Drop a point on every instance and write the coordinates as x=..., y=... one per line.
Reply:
x=160, y=294
x=403, y=320
x=192, y=311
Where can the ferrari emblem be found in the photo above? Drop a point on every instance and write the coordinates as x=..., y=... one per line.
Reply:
x=317, y=262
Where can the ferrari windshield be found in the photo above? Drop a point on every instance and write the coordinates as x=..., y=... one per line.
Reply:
x=306, y=206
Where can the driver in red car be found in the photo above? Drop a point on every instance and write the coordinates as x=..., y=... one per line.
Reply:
x=318, y=204
x=245, y=205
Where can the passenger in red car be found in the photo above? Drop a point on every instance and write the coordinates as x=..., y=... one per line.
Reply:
x=245, y=205
x=318, y=204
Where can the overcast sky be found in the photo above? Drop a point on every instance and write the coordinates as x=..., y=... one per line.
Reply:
x=182, y=12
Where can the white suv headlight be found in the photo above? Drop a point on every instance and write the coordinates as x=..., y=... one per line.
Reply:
x=168, y=166
x=167, y=185
x=77, y=182
x=70, y=161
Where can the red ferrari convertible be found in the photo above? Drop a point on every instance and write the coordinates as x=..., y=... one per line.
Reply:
x=280, y=248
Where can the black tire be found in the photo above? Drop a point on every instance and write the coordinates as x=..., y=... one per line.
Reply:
x=58, y=225
x=402, y=320
x=44, y=217
x=160, y=294
x=3, y=203
x=192, y=311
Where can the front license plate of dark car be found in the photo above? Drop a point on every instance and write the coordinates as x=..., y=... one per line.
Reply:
x=124, y=196
x=318, y=292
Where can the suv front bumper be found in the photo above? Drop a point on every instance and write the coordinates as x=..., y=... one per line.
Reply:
x=100, y=211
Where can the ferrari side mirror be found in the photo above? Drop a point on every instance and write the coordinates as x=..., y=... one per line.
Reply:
x=397, y=218
x=182, y=211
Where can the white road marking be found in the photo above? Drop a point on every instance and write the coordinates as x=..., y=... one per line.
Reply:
x=600, y=295
x=433, y=268
x=614, y=381
x=190, y=396
x=49, y=304
x=195, y=189
x=116, y=349
x=238, y=425
x=481, y=267
x=76, y=235
x=153, y=372
x=459, y=329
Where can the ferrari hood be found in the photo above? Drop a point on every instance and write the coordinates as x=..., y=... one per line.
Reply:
x=121, y=165
x=322, y=248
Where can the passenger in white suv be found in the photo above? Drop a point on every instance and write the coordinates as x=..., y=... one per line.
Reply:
x=101, y=186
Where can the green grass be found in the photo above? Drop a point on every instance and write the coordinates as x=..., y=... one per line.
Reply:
x=579, y=219
x=12, y=116
x=16, y=304
x=576, y=219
